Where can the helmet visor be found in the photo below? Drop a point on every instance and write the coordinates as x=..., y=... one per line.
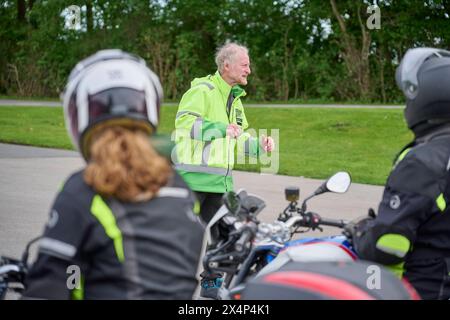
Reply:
x=117, y=102
x=406, y=74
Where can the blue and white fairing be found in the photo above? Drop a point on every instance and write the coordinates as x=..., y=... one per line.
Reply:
x=333, y=248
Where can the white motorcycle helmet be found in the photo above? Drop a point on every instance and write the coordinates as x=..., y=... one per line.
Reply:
x=111, y=87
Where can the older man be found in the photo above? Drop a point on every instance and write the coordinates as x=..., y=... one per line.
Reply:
x=210, y=126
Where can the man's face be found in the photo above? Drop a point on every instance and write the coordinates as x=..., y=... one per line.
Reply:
x=238, y=69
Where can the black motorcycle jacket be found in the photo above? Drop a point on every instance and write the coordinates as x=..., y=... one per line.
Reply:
x=96, y=248
x=411, y=233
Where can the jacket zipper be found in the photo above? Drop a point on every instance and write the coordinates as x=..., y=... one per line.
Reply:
x=228, y=149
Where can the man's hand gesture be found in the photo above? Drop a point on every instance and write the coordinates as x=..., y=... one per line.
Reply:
x=267, y=143
x=233, y=130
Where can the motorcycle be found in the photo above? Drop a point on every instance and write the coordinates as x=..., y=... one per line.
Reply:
x=243, y=252
x=255, y=259
x=13, y=272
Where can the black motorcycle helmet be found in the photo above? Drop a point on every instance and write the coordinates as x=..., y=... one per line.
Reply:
x=111, y=87
x=424, y=77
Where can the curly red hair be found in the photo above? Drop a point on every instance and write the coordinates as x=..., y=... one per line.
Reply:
x=124, y=165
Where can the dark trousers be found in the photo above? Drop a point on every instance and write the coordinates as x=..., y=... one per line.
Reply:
x=430, y=277
x=209, y=204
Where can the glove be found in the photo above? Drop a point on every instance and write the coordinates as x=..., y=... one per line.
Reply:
x=267, y=143
x=356, y=227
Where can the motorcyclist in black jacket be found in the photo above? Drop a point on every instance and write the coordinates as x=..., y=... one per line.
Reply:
x=411, y=232
x=126, y=226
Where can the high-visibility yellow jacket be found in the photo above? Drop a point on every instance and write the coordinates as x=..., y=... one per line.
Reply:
x=205, y=155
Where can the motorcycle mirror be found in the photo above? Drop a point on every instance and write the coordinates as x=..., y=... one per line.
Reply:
x=339, y=182
x=232, y=201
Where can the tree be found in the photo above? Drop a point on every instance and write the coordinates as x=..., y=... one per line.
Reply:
x=355, y=49
x=299, y=49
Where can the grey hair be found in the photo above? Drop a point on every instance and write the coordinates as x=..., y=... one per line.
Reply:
x=227, y=53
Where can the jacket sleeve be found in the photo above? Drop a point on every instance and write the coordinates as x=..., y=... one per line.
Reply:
x=191, y=119
x=409, y=198
x=247, y=144
x=50, y=276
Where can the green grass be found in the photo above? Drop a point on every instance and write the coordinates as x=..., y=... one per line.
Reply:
x=37, y=126
x=323, y=102
x=56, y=99
x=247, y=100
x=313, y=142
x=318, y=142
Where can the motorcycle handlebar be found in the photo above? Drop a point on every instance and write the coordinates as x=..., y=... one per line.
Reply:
x=332, y=223
x=9, y=268
x=314, y=220
x=247, y=234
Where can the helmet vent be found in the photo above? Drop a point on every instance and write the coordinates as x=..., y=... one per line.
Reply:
x=119, y=109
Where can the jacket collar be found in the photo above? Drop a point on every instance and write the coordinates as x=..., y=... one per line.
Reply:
x=431, y=134
x=225, y=88
x=425, y=138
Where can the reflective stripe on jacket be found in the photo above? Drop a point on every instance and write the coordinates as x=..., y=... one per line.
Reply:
x=205, y=154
